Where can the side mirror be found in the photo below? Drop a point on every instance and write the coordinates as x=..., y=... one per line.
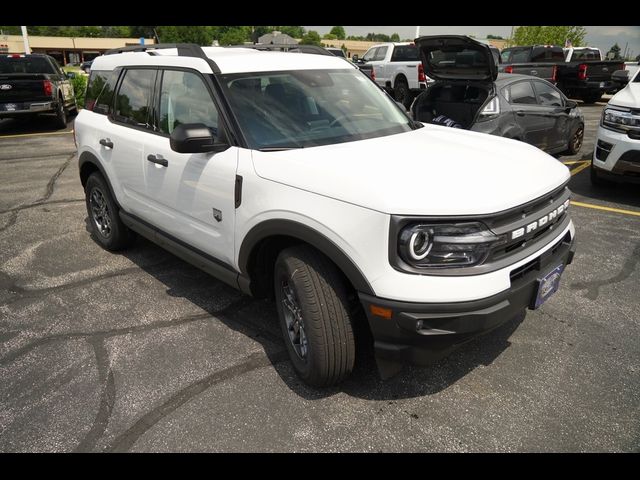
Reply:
x=195, y=138
x=355, y=58
x=570, y=104
x=70, y=75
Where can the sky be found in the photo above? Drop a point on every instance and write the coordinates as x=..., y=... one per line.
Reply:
x=601, y=37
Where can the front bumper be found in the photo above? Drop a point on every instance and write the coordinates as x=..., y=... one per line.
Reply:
x=617, y=154
x=421, y=333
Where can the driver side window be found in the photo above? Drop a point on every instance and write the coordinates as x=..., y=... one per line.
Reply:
x=184, y=98
x=370, y=55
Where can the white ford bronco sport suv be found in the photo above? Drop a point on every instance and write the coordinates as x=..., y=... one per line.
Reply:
x=294, y=176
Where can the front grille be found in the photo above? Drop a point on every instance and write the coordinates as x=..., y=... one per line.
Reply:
x=538, y=263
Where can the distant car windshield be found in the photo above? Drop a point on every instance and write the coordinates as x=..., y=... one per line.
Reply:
x=307, y=108
x=25, y=65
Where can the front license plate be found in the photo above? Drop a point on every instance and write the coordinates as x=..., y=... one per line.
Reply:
x=10, y=107
x=548, y=285
x=603, y=84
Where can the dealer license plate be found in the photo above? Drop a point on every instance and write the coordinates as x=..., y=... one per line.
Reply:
x=10, y=107
x=548, y=285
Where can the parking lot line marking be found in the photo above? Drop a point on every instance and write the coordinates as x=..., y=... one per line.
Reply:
x=34, y=134
x=606, y=209
x=580, y=168
x=573, y=162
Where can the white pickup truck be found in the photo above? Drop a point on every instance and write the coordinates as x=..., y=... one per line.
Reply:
x=398, y=69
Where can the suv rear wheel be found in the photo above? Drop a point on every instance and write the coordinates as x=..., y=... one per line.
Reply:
x=104, y=221
x=402, y=93
x=311, y=299
x=61, y=115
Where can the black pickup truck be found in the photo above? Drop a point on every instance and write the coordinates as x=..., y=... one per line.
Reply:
x=34, y=84
x=536, y=60
x=585, y=75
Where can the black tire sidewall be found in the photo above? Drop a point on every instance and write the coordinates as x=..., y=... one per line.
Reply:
x=401, y=86
x=120, y=235
x=61, y=115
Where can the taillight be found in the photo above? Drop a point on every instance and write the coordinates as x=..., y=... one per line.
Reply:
x=582, y=71
x=48, y=87
x=554, y=73
x=508, y=69
x=421, y=77
x=373, y=74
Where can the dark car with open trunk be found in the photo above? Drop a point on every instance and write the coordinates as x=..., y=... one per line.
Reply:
x=469, y=93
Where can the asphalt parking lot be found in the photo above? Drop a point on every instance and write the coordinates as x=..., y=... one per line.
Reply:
x=139, y=351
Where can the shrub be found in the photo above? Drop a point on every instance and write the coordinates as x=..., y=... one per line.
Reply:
x=79, y=83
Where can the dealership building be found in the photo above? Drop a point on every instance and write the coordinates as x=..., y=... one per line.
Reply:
x=67, y=49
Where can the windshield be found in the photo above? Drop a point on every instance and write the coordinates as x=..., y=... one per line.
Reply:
x=307, y=108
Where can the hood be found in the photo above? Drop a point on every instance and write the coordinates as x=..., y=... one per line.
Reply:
x=629, y=96
x=457, y=57
x=433, y=170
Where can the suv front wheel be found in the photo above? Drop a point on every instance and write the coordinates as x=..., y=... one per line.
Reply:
x=312, y=304
x=104, y=220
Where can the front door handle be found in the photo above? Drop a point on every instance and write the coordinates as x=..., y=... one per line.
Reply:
x=158, y=159
x=520, y=113
x=106, y=142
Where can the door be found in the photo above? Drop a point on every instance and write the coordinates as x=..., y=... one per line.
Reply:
x=191, y=196
x=122, y=144
x=532, y=119
x=550, y=98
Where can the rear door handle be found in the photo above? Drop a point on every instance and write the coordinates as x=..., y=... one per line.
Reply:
x=106, y=142
x=158, y=159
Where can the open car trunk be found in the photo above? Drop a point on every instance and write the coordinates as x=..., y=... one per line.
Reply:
x=460, y=103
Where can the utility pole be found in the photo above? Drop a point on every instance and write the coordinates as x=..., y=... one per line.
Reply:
x=25, y=38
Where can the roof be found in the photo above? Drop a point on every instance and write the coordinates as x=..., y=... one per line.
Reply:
x=229, y=60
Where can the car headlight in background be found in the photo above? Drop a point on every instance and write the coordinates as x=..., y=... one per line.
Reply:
x=446, y=245
x=620, y=120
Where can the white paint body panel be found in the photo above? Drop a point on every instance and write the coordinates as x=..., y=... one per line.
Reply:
x=346, y=192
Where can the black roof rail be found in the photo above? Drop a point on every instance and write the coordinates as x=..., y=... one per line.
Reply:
x=184, y=50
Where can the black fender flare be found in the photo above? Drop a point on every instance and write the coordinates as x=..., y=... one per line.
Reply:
x=88, y=157
x=275, y=227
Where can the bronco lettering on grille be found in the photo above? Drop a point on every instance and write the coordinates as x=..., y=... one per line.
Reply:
x=548, y=218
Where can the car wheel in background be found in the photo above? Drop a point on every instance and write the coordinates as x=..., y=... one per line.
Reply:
x=61, y=115
x=402, y=93
x=575, y=142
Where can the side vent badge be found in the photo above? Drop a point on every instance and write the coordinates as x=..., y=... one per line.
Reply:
x=217, y=214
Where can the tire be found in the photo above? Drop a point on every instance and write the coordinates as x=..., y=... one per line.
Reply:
x=105, y=223
x=311, y=299
x=61, y=115
x=593, y=98
x=402, y=93
x=575, y=142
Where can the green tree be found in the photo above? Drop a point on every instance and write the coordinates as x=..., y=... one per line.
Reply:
x=615, y=50
x=549, y=35
x=329, y=36
x=494, y=37
x=395, y=37
x=338, y=32
x=311, y=38
x=13, y=30
x=185, y=34
x=234, y=35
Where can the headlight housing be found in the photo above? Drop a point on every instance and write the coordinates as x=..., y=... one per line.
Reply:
x=621, y=120
x=423, y=245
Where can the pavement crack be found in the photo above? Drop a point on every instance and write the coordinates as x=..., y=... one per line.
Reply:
x=12, y=221
x=127, y=439
x=593, y=286
x=107, y=398
x=33, y=205
x=233, y=307
x=52, y=181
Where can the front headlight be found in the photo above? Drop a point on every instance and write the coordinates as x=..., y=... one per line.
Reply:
x=446, y=245
x=621, y=120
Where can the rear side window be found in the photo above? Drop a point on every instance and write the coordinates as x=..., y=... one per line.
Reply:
x=26, y=64
x=405, y=53
x=99, y=95
x=134, y=97
x=184, y=98
x=521, y=93
x=547, y=54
